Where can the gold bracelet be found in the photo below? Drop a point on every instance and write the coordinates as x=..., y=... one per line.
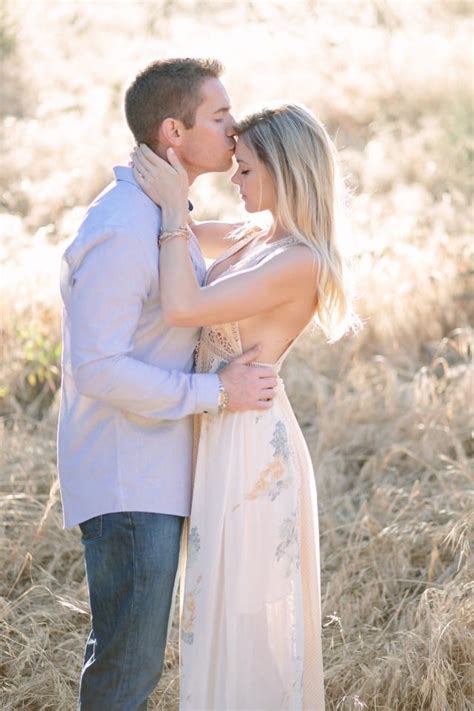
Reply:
x=171, y=234
x=223, y=397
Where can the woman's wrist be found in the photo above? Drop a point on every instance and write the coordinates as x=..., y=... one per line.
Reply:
x=173, y=219
x=179, y=233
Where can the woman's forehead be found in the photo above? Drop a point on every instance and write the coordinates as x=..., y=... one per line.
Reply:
x=243, y=152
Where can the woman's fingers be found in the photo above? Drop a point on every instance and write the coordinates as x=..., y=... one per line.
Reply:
x=139, y=177
x=163, y=182
x=139, y=163
x=175, y=162
x=152, y=161
x=146, y=163
x=150, y=155
x=146, y=155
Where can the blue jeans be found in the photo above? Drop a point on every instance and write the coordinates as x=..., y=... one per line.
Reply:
x=131, y=562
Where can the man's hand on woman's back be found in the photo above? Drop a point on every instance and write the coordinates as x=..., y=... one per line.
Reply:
x=249, y=387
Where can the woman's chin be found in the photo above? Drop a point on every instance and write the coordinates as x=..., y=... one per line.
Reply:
x=248, y=207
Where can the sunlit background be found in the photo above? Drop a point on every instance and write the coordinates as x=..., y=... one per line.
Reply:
x=386, y=414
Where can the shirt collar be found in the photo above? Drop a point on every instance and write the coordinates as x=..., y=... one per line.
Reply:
x=121, y=172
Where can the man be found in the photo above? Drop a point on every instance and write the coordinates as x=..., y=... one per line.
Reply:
x=128, y=394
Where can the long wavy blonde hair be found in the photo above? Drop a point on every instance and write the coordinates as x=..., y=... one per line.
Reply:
x=297, y=151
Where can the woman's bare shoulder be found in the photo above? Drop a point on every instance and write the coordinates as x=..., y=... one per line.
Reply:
x=297, y=256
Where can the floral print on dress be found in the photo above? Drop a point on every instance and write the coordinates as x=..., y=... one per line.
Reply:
x=188, y=616
x=194, y=545
x=280, y=441
x=272, y=480
x=288, y=549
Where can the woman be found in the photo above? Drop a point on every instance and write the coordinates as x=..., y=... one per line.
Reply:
x=250, y=627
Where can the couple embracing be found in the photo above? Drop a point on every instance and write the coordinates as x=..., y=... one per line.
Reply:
x=175, y=432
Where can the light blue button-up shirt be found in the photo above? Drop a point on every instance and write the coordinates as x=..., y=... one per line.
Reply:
x=127, y=395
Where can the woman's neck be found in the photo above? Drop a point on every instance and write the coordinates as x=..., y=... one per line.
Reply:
x=276, y=233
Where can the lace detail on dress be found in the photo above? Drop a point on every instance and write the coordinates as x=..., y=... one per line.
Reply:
x=217, y=346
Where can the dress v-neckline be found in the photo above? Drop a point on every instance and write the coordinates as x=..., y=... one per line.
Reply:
x=242, y=244
x=233, y=249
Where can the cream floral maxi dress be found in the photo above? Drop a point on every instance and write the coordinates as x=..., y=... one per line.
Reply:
x=250, y=623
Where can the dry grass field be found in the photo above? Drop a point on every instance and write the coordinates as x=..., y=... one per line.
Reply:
x=387, y=414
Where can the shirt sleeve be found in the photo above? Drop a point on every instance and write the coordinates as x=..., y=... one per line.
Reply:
x=106, y=292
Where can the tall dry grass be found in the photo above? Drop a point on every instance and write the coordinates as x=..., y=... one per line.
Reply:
x=387, y=414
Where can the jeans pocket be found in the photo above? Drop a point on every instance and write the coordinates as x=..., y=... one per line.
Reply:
x=92, y=528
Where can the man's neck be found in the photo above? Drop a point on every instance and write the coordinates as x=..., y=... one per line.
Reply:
x=192, y=175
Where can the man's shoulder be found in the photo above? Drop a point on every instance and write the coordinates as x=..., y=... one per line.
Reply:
x=122, y=210
x=123, y=203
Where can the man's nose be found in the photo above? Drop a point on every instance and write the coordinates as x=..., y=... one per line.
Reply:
x=231, y=124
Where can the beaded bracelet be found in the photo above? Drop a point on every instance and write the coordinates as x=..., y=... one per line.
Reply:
x=179, y=232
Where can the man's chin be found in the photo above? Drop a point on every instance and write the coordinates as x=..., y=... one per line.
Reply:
x=225, y=165
x=221, y=167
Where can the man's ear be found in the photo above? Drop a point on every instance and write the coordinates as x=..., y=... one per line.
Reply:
x=171, y=132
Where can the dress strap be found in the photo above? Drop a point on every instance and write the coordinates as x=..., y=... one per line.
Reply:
x=287, y=241
x=253, y=257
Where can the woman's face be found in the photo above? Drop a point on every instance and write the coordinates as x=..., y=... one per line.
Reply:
x=254, y=181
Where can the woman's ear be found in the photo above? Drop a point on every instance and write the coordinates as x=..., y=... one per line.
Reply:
x=171, y=132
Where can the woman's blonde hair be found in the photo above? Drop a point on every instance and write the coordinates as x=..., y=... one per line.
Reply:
x=300, y=156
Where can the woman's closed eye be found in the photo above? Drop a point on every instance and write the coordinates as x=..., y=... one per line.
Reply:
x=244, y=172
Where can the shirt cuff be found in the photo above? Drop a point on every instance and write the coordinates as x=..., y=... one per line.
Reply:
x=207, y=392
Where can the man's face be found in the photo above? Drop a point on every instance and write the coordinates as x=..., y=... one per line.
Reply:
x=209, y=146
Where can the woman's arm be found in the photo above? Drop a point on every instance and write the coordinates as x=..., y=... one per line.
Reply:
x=154, y=176
x=287, y=277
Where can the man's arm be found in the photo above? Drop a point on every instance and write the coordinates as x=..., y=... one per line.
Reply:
x=106, y=293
